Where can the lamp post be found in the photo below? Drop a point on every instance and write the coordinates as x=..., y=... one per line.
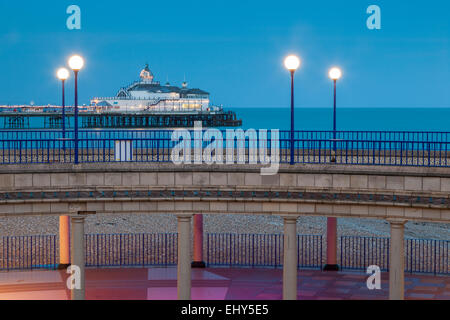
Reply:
x=334, y=74
x=331, y=265
x=64, y=222
x=63, y=75
x=76, y=63
x=292, y=63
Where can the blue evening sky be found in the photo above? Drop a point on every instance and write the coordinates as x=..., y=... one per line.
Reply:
x=233, y=49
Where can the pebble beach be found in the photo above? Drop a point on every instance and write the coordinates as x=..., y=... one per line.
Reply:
x=263, y=224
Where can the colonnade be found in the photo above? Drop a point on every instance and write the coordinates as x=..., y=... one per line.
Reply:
x=290, y=270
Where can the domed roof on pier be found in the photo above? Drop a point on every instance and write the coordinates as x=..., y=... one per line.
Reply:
x=149, y=87
x=146, y=75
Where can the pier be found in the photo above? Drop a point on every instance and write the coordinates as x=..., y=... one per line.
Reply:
x=21, y=120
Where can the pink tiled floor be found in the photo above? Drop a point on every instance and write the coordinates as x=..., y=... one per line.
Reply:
x=214, y=284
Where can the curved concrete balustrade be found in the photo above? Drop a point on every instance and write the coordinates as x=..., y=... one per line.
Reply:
x=342, y=191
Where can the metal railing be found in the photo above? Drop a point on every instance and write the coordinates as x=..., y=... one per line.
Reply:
x=260, y=250
x=106, y=250
x=28, y=252
x=421, y=255
x=399, y=148
x=238, y=250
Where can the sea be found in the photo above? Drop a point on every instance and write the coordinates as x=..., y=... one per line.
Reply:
x=348, y=119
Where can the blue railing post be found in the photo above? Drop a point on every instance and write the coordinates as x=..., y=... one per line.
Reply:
x=97, y=249
x=321, y=252
x=120, y=249
x=143, y=249
x=435, y=262
x=207, y=249
x=7, y=254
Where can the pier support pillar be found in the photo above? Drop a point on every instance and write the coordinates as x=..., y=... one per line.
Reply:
x=331, y=264
x=198, y=242
x=64, y=242
x=184, y=257
x=290, y=258
x=78, y=258
x=397, y=260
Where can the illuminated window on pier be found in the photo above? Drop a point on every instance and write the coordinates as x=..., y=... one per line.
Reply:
x=191, y=106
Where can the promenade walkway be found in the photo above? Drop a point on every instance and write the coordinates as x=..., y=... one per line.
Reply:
x=214, y=284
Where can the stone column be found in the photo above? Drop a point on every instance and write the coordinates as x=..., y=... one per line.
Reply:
x=290, y=258
x=64, y=242
x=198, y=242
x=397, y=260
x=78, y=252
x=184, y=257
x=331, y=264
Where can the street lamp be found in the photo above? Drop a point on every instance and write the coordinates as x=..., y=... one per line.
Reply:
x=331, y=265
x=76, y=63
x=292, y=63
x=334, y=74
x=63, y=75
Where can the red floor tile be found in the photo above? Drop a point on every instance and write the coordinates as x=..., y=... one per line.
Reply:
x=215, y=283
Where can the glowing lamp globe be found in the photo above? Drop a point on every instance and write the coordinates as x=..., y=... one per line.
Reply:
x=335, y=73
x=292, y=62
x=62, y=74
x=76, y=63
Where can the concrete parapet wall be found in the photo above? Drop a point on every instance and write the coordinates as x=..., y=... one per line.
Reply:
x=224, y=206
x=326, y=190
